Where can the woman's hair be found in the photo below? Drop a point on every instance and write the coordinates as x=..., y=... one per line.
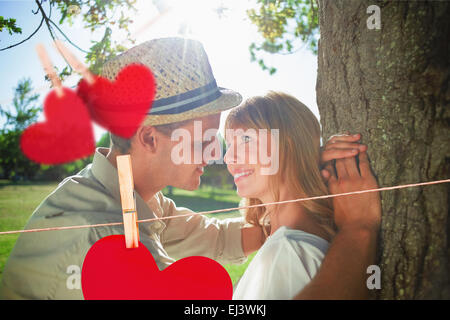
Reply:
x=299, y=154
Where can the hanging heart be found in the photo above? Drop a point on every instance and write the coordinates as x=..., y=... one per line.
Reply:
x=65, y=136
x=111, y=271
x=120, y=106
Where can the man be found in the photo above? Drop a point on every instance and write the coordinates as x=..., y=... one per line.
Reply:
x=42, y=264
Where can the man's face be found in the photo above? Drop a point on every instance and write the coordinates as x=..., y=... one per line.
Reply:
x=188, y=150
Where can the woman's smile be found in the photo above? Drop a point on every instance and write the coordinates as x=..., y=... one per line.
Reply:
x=242, y=175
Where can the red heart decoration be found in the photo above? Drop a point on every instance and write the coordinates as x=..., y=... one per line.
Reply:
x=113, y=272
x=120, y=106
x=65, y=136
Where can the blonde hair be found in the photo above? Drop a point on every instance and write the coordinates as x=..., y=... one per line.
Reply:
x=299, y=154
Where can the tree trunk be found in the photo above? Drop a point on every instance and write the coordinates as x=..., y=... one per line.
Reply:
x=392, y=86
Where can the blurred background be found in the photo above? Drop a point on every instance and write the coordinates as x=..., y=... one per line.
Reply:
x=253, y=46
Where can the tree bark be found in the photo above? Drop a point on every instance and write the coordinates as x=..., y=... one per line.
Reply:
x=392, y=86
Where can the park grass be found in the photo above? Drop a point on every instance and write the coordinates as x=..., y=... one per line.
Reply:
x=18, y=201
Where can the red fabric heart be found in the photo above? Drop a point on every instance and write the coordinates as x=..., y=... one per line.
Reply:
x=112, y=272
x=120, y=106
x=65, y=136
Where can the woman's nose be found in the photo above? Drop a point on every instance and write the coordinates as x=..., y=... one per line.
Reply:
x=229, y=156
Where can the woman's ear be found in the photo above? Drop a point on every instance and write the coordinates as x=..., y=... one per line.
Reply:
x=147, y=138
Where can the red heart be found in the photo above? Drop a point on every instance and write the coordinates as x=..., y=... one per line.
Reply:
x=112, y=272
x=65, y=136
x=120, y=106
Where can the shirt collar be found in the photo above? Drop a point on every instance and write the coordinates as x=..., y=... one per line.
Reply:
x=107, y=175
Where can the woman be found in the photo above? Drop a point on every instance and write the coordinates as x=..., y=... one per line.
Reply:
x=298, y=233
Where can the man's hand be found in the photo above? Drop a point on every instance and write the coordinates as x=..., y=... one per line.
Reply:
x=342, y=274
x=359, y=210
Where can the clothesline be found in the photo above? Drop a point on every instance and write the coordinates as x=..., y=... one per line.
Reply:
x=228, y=209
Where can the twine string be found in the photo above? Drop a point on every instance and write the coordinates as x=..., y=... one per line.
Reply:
x=229, y=209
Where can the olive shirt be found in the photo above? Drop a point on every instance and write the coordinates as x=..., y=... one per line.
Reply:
x=43, y=265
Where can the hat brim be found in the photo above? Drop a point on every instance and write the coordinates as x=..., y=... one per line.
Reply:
x=226, y=101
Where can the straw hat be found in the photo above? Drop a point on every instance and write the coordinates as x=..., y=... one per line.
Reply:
x=186, y=87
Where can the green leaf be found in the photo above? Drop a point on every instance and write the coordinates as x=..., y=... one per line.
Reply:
x=282, y=22
x=10, y=25
x=63, y=16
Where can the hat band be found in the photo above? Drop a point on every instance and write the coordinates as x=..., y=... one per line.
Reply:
x=187, y=100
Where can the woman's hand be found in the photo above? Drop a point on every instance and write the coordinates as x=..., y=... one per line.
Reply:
x=340, y=146
x=362, y=211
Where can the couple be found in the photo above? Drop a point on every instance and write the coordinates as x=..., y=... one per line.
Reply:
x=307, y=250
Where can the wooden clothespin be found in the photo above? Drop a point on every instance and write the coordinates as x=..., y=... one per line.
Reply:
x=128, y=200
x=76, y=65
x=49, y=69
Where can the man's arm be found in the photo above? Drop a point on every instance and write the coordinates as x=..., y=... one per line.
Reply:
x=342, y=274
x=198, y=235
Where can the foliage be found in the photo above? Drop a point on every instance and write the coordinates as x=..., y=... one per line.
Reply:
x=216, y=175
x=17, y=167
x=13, y=163
x=95, y=15
x=281, y=23
x=10, y=25
x=102, y=51
x=104, y=140
x=98, y=15
x=25, y=110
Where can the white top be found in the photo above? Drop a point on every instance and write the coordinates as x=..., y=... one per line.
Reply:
x=285, y=263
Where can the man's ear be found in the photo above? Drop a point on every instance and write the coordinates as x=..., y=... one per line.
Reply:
x=147, y=138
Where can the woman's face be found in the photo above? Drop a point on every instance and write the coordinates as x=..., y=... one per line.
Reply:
x=246, y=158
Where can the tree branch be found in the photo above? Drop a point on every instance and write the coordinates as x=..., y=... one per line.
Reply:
x=67, y=38
x=49, y=24
x=34, y=32
x=37, y=10
x=49, y=21
x=49, y=27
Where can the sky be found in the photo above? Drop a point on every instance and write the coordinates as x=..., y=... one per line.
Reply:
x=226, y=41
